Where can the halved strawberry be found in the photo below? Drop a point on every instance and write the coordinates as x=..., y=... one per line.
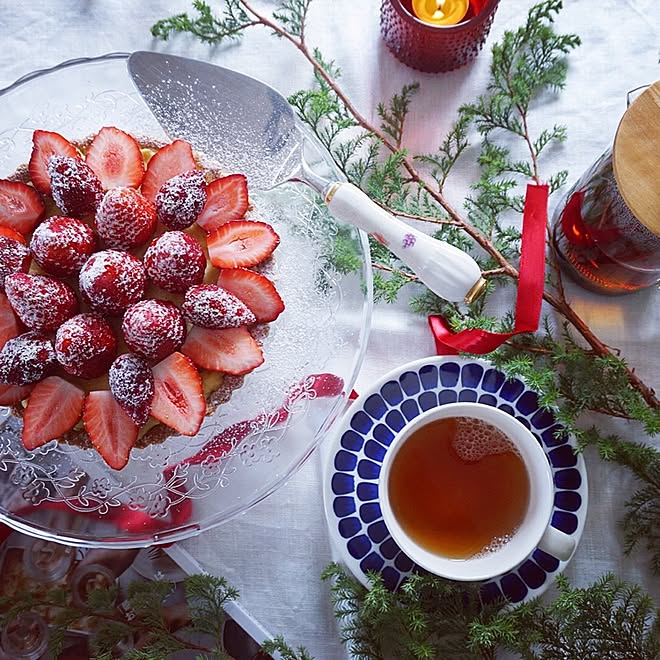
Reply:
x=255, y=290
x=174, y=158
x=115, y=158
x=229, y=350
x=10, y=326
x=8, y=232
x=178, y=394
x=21, y=206
x=12, y=394
x=51, y=394
x=110, y=429
x=226, y=199
x=44, y=145
x=241, y=243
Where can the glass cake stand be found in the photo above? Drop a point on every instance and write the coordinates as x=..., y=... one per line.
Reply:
x=274, y=417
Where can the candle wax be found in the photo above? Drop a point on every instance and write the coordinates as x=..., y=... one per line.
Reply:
x=441, y=12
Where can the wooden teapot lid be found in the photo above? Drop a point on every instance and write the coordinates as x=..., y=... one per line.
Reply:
x=637, y=158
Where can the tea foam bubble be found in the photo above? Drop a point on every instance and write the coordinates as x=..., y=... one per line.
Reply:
x=494, y=545
x=475, y=439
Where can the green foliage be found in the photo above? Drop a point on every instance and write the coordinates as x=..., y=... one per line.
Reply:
x=325, y=113
x=206, y=26
x=393, y=117
x=291, y=15
x=454, y=144
x=345, y=258
x=279, y=645
x=428, y=617
x=207, y=596
x=572, y=381
x=148, y=627
x=527, y=61
x=607, y=620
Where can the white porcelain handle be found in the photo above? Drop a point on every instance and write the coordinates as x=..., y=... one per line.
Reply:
x=447, y=271
x=557, y=544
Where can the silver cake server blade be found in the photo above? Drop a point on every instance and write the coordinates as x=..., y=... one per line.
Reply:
x=249, y=127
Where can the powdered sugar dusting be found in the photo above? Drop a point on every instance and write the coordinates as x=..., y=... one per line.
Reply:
x=14, y=258
x=125, y=219
x=61, y=245
x=132, y=384
x=210, y=306
x=112, y=280
x=175, y=261
x=153, y=328
x=41, y=302
x=27, y=359
x=76, y=189
x=85, y=345
x=181, y=199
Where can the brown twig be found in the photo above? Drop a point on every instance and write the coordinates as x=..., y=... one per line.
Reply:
x=389, y=269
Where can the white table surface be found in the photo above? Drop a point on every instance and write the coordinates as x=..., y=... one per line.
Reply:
x=275, y=552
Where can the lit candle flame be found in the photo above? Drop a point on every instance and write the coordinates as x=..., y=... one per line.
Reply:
x=441, y=12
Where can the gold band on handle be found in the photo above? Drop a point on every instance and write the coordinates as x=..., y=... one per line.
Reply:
x=476, y=291
x=331, y=192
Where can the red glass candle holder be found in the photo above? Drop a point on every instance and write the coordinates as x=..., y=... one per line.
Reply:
x=435, y=48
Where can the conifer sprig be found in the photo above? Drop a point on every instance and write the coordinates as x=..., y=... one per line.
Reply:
x=206, y=26
x=606, y=620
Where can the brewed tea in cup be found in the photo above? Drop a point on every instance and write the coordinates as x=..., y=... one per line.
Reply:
x=467, y=492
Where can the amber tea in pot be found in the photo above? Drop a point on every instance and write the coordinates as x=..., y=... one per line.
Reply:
x=606, y=231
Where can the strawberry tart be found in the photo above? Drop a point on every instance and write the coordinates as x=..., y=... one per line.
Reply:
x=131, y=291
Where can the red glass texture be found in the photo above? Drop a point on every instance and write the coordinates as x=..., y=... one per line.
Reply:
x=435, y=48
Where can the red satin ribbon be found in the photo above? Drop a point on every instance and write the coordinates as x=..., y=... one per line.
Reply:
x=530, y=286
x=131, y=520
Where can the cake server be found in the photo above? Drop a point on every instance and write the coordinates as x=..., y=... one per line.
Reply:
x=249, y=127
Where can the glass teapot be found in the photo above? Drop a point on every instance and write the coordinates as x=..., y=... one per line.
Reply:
x=606, y=230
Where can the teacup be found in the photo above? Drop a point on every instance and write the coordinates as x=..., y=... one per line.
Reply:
x=496, y=474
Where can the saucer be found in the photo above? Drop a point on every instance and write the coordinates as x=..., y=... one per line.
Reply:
x=363, y=437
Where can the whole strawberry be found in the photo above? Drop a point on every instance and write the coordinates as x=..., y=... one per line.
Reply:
x=132, y=385
x=181, y=199
x=210, y=306
x=40, y=302
x=27, y=359
x=85, y=345
x=125, y=219
x=76, y=190
x=111, y=280
x=61, y=245
x=153, y=328
x=175, y=261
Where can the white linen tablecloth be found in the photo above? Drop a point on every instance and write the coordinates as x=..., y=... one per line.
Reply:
x=275, y=552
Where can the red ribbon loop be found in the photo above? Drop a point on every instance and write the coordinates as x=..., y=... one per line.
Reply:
x=530, y=286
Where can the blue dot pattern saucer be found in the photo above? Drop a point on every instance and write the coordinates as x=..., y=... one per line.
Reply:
x=364, y=435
